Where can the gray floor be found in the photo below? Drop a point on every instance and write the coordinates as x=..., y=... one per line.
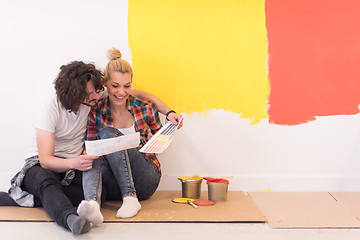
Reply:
x=172, y=231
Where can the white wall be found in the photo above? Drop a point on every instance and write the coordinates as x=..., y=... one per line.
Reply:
x=322, y=155
x=37, y=37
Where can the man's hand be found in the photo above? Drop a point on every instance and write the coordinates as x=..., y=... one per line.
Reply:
x=84, y=162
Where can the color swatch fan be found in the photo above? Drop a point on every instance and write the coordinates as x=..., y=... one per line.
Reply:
x=161, y=140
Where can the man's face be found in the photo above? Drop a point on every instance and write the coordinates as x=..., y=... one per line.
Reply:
x=93, y=95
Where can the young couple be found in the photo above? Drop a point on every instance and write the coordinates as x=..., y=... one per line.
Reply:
x=58, y=176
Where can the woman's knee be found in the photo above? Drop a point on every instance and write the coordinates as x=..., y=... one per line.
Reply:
x=146, y=194
x=109, y=132
x=145, y=190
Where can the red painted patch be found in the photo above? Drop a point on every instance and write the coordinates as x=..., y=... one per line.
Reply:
x=314, y=65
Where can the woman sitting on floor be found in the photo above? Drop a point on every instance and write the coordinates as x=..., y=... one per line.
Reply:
x=127, y=175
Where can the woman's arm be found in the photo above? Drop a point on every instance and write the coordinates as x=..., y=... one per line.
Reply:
x=163, y=108
x=46, y=145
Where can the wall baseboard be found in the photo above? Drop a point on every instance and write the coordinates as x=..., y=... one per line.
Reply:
x=254, y=183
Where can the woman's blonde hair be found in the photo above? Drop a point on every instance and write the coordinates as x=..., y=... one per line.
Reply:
x=116, y=63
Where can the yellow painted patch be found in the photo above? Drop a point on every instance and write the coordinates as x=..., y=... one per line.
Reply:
x=203, y=54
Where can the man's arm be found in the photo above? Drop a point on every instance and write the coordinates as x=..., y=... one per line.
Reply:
x=46, y=144
x=163, y=108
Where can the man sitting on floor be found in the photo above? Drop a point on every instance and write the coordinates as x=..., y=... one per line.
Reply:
x=52, y=177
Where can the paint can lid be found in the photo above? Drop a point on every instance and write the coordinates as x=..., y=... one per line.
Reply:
x=215, y=180
x=204, y=202
x=182, y=200
x=194, y=178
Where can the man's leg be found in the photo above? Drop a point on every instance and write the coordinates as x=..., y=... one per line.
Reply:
x=46, y=185
x=6, y=200
x=74, y=191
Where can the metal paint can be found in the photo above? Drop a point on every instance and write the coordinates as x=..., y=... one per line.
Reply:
x=191, y=187
x=217, y=192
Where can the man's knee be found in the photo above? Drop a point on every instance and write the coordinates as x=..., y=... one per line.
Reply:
x=40, y=178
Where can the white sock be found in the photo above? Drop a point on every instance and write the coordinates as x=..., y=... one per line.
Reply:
x=129, y=208
x=90, y=210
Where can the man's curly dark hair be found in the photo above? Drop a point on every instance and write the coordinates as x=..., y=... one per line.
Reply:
x=70, y=84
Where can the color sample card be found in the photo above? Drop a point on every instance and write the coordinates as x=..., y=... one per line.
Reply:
x=161, y=140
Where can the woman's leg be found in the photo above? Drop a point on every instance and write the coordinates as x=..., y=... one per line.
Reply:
x=92, y=181
x=92, y=186
x=46, y=185
x=146, y=178
x=120, y=166
x=135, y=175
x=145, y=173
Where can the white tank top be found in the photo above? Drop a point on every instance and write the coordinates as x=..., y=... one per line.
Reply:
x=127, y=131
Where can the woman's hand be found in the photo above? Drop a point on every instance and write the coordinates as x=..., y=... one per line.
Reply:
x=176, y=119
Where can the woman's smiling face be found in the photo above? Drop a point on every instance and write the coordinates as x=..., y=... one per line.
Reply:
x=119, y=87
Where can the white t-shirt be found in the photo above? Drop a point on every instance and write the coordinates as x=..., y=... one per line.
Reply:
x=69, y=128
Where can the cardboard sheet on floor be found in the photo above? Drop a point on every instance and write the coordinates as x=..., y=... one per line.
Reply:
x=350, y=200
x=160, y=208
x=22, y=214
x=304, y=210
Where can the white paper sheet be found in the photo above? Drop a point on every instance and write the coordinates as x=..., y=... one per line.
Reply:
x=110, y=145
